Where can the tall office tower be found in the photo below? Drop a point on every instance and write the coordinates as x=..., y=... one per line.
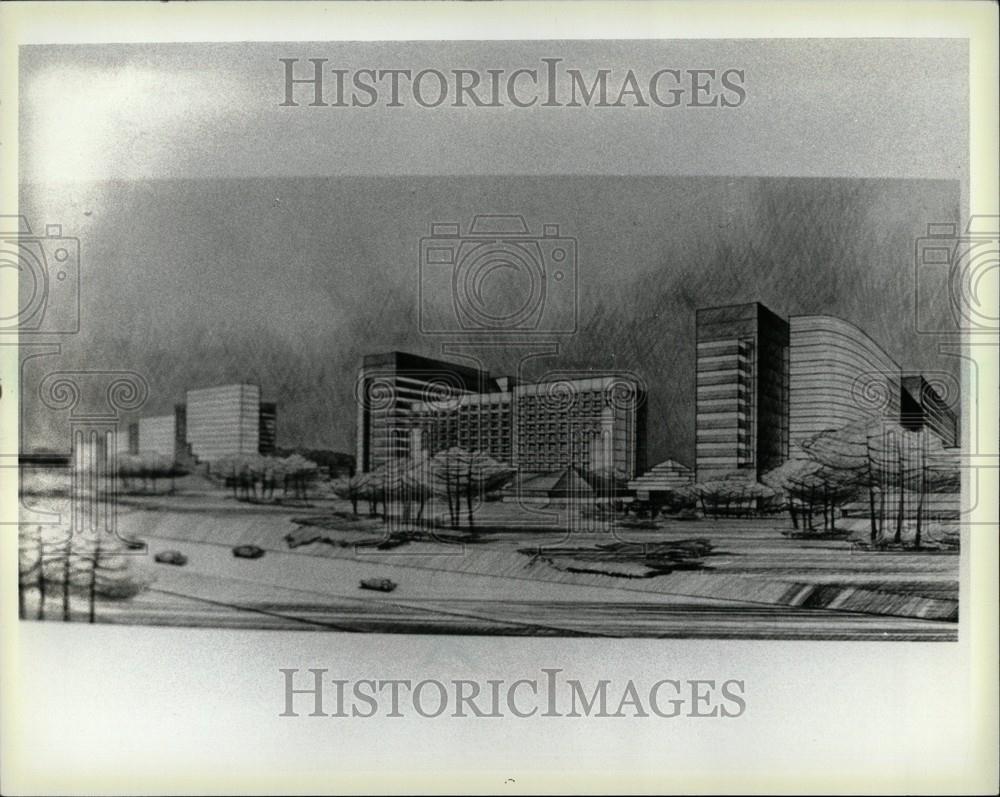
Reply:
x=388, y=387
x=223, y=421
x=742, y=391
x=839, y=375
x=268, y=437
x=922, y=408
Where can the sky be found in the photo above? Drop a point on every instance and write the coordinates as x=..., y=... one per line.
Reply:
x=225, y=238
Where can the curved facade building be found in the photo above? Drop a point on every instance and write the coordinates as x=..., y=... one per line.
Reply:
x=838, y=375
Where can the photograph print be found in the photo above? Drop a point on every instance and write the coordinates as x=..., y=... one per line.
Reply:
x=494, y=338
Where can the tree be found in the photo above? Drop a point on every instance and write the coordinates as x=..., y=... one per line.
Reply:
x=930, y=468
x=31, y=573
x=241, y=472
x=785, y=481
x=149, y=467
x=225, y=469
x=95, y=566
x=349, y=488
x=733, y=493
x=457, y=473
x=299, y=473
x=418, y=480
x=369, y=487
x=92, y=565
x=884, y=458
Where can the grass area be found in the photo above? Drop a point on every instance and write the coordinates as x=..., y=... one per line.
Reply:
x=625, y=560
x=744, y=562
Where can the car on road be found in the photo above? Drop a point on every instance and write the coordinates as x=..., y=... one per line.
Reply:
x=379, y=584
x=248, y=552
x=171, y=558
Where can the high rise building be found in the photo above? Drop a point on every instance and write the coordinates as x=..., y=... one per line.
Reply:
x=742, y=391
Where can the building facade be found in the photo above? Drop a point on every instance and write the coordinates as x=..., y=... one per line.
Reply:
x=158, y=435
x=839, y=375
x=388, y=387
x=475, y=422
x=268, y=435
x=214, y=422
x=742, y=391
x=127, y=439
x=586, y=423
x=223, y=421
x=921, y=406
x=764, y=386
x=663, y=479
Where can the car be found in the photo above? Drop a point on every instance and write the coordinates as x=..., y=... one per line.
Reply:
x=248, y=551
x=171, y=558
x=379, y=584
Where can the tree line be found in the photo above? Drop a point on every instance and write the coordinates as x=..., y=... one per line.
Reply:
x=404, y=486
x=256, y=477
x=141, y=472
x=57, y=567
x=890, y=469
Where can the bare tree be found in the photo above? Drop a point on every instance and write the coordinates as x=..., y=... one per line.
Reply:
x=101, y=568
x=349, y=488
x=883, y=458
x=458, y=473
x=30, y=574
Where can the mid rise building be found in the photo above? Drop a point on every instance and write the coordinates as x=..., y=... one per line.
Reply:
x=223, y=421
x=214, y=422
x=162, y=435
x=387, y=388
x=410, y=405
x=589, y=423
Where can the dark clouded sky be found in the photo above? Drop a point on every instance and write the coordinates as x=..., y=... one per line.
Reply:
x=289, y=282
x=224, y=237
